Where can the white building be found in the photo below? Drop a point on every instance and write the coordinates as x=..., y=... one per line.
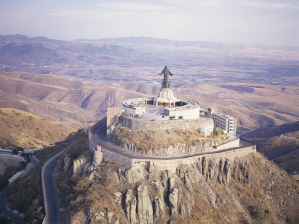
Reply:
x=207, y=129
x=226, y=122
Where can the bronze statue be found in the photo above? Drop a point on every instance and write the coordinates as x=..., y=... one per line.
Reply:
x=166, y=72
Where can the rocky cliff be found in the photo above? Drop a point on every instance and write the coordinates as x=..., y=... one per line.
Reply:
x=245, y=190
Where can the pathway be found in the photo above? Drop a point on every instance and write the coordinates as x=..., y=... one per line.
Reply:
x=50, y=194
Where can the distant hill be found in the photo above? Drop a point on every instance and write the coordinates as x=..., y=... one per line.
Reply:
x=272, y=131
x=70, y=101
x=22, y=129
x=123, y=59
x=157, y=41
x=29, y=50
x=62, y=100
x=257, y=84
x=279, y=143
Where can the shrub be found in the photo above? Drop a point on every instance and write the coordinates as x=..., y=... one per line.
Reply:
x=107, y=182
x=4, y=220
x=256, y=212
x=28, y=160
x=15, y=152
x=73, y=155
x=83, y=184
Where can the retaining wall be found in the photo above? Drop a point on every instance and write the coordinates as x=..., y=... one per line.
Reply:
x=140, y=125
x=172, y=164
x=119, y=159
x=230, y=144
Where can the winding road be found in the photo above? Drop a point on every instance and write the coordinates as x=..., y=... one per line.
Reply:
x=50, y=193
x=98, y=136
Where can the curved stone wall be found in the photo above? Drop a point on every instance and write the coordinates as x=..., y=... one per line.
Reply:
x=182, y=149
x=140, y=125
x=171, y=163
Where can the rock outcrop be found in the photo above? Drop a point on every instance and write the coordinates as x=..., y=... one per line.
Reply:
x=159, y=209
x=134, y=175
x=144, y=206
x=80, y=166
x=211, y=187
x=130, y=207
x=173, y=201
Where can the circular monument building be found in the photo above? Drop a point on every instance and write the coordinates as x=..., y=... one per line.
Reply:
x=164, y=112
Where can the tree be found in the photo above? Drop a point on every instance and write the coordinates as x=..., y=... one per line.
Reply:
x=215, y=132
x=20, y=149
x=23, y=165
x=15, y=152
x=4, y=220
x=28, y=159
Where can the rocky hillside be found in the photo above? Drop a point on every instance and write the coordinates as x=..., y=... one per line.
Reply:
x=250, y=189
x=166, y=143
x=23, y=129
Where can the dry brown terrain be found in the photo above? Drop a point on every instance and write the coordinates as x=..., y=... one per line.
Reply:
x=279, y=143
x=258, y=84
x=23, y=129
x=57, y=99
x=73, y=102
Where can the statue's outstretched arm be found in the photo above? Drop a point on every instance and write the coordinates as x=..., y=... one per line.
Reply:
x=160, y=73
x=169, y=72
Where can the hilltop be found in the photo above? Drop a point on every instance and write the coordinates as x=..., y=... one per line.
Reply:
x=249, y=189
x=23, y=129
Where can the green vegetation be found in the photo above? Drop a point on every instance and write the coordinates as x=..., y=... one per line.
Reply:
x=255, y=211
x=4, y=220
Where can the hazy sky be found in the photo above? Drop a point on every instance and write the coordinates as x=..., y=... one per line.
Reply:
x=270, y=22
